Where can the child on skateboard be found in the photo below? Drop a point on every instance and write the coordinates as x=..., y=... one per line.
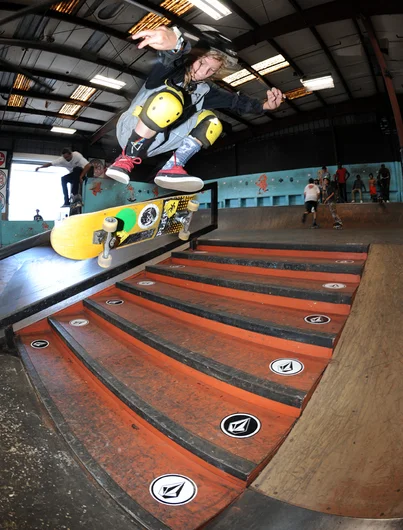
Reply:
x=173, y=109
x=311, y=198
x=330, y=199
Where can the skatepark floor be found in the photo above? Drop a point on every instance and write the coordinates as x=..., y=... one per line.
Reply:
x=37, y=469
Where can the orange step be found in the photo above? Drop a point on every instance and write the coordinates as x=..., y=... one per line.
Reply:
x=280, y=322
x=176, y=401
x=327, y=270
x=311, y=295
x=118, y=447
x=240, y=363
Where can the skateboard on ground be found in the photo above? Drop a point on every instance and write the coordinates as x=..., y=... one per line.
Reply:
x=95, y=234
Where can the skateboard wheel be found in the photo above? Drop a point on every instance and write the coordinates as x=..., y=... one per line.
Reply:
x=110, y=224
x=193, y=206
x=105, y=263
x=184, y=235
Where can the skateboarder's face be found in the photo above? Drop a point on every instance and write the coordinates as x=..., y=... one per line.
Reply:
x=68, y=156
x=204, y=68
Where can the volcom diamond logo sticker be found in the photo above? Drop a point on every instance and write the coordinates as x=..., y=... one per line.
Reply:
x=78, y=322
x=286, y=366
x=148, y=216
x=344, y=261
x=240, y=425
x=177, y=266
x=334, y=285
x=317, y=319
x=146, y=283
x=174, y=490
x=40, y=344
x=114, y=302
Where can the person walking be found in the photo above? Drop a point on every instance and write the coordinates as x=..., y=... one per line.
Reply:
x=311, y=198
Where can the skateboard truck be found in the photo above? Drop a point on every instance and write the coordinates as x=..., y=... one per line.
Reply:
x=185, y=220
x=109, y=226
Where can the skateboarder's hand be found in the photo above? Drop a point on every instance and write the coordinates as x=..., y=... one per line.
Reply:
x=161, y=38
x=274, y=99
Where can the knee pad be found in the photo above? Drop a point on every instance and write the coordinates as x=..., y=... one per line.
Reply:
x=162, y=109
x=208, y=128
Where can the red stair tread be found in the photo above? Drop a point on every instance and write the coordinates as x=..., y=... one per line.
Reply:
x=194, y=405
x=235, y=254
x=292, y=318
x=296, y=283
x=327, y=254
x=131, y=453
x=242, y=355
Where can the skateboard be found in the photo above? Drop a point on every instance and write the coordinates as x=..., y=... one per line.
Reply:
x=95, y=234
x=338, y=226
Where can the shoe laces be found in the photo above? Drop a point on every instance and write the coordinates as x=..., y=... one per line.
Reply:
x=127, y=162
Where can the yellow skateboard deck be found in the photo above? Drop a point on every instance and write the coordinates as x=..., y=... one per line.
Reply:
x=94, y=234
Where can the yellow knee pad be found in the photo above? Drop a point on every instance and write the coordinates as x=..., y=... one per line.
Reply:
x=208, y=128
x=161, y=109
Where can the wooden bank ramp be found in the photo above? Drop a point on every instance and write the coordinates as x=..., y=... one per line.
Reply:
x=344, y=456
x=176, y=387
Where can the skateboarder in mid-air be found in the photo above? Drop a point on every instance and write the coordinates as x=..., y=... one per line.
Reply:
x=311, y=198
x=329, y=198
x=173, y=109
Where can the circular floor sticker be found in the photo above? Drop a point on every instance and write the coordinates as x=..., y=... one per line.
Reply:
x=146, y=283
x=334, y=285
x=240, y=425
x=174, y=490
x=79, y=322
x=317, y=319
x=286, y=367
x=344, y=261
x=114, y=302
x=39, y=344
x=148, y=216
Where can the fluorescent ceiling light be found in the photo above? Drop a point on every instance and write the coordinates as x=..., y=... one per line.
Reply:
x=16, y=101
x=107, y=81
x=63, y=130
x=318, y=83
x=83, y=93
x=213, y=8
x=297, y=93
x=272, y=64
x=69, y=109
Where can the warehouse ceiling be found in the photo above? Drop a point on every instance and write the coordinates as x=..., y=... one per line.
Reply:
x=49, y=52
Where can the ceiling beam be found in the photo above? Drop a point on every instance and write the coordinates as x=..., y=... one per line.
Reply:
x=70, y=79
x=40, y=126
x=23, y=11
x=315, y=16
x=232, y=6
x=48, y=114
x=58, y=98
x=106, y=128
x=388, y=79
x=322, y=44
x=356, y=106
x=68, y=51
x=369, y=60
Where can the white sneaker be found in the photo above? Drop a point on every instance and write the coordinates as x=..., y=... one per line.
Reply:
x=177, y=179
x=361, y=202
x=352, y=201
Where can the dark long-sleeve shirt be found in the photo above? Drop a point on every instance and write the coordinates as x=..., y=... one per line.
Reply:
x=359, y=185
x=172, y=66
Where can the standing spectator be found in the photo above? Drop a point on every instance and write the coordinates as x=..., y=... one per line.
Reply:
x=372, y=188
x=78, y=166
x=357, y=186
x=341, y=178
x=329, y=196
x=311, y=197
x=384, y=177
x=317, y=183
x=38, y=217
